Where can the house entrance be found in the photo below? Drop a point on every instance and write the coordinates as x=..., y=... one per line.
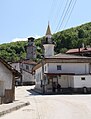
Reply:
x=54, y=84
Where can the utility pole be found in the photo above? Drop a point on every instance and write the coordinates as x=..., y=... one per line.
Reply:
x=43, y=78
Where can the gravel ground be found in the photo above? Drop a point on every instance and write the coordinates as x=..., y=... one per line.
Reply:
x=51, y=106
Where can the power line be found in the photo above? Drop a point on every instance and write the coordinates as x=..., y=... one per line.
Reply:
x=62, y=14
x=70, y=12
x=67, y=11
x=58, y=10
x=65, y=14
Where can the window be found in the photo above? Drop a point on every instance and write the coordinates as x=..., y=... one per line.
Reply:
x=45, y=68
x=59, y=67
x=82, y=78
x=41, y=83
x=27, y=67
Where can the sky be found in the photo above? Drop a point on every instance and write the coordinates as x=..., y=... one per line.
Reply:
x=20, y=19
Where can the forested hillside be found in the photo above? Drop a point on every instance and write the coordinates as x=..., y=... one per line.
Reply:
x=64, y=40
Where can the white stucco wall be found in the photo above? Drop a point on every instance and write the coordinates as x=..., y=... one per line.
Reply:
x=75, y=81
x=66, y=81
x=27, y=77
x=29, y=65
x=78, y=83
x=63, y=81
x=5, y=77
x=16, y=66
x=71, y=81
x=49, y=50
x=38, y=75
x=38, y=78
x=77, y=68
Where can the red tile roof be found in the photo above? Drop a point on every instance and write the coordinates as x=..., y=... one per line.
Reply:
x=66, y=56
x=82, y=50
x=14, y=71
x=29, y=62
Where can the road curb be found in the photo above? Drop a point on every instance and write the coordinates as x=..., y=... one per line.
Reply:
x=16, y=107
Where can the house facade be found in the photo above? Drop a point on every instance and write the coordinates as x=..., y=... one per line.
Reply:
x=8, y=76
x=66, y=70
x=61, y=72
x=25, y=68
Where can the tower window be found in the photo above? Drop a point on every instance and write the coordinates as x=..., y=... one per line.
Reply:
x=46, y=40
x=82, y=78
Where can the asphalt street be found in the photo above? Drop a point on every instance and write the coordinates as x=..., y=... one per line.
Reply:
x=51, y=106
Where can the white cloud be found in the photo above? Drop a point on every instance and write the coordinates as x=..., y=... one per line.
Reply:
x=25, y=39
x=19, y=39
x=36, y=36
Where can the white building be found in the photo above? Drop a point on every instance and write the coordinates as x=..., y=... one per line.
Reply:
x=8, y=76
x=68, y=71
x=25, y=68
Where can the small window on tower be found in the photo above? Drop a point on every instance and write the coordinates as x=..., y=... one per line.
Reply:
x=82, y=78
x=46, y=40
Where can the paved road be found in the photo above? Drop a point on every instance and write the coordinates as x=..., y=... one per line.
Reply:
x=51, y=106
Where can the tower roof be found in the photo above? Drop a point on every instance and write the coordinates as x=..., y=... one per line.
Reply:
x=48, y=32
